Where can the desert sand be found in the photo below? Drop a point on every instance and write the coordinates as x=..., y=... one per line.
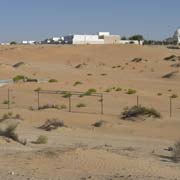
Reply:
x=119, y=149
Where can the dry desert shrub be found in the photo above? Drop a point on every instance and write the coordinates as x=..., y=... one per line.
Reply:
x=18, y=64
x=41, y=140
x=170, y=75
x=9, y=132
x=131, y=91
x=77, y=83
x=99, y=123
x=176, y=151
x=49, y=106
x=81, y=105
x=53, y=81
x=52, y=124
x=9, y=115
x=137, y=111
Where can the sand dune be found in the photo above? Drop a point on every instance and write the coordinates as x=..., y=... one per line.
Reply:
x=116, y=150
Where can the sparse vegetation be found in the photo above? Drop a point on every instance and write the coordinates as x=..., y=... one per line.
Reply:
x=89, y=92
x=9, y=132
x=19, y=78
x=5, y=102
x=49, y=106
x=170, y=58
x=42, y=140
x=77, y=83
x=53, y=81
x=131, y=91
x=9, y=115
x=118, y=89
x=67, y=95
x=52, y=124
x=159, y=94
x=174, y=96
x=38, y=89
x=98, y=123
x=170, y=75
x=81, y=105
x=89, y=74
x=103, y=74
x=137, y=60
x=137, y=111
x=107, y=90
x=18, y=64
x=63, y=106
x=176, y=151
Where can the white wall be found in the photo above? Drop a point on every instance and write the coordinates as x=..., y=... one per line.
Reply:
x=104, y=33
x=131, y=42
x=87, y=39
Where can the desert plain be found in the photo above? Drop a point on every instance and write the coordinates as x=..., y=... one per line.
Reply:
x=117, y=150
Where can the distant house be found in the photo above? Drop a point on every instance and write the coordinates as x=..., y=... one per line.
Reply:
x=177, y=36
x=101, y=38
x=28, y=42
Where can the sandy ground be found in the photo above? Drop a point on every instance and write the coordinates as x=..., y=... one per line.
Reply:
x=119, y=149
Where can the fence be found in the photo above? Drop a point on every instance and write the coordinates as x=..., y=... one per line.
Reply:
x=91, y=103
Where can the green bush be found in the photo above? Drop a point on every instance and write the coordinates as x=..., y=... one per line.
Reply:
x=108, y=90
x=137, y=111
x=19, y=78
x=131, y=91
x=49, y=106
x=67, y=95
x=53, y=81
x=174, y=96
x=89, y=92
x=42, y=140
x=118, y=89
x=80, y=105
x=77, y=83
x=38, y=89
x=5, y=102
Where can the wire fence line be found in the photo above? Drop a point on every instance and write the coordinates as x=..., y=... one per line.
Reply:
x=82, y=102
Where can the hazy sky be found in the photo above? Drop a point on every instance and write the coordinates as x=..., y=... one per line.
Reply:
x=39, y=19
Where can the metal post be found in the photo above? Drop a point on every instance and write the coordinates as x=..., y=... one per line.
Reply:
x=102, y=104
x=137, y=100
x=8, y=99
x=38, y=99
x=170, y=107
x=69, y=103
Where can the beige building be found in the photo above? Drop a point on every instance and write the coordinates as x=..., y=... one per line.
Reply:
x=112, y=39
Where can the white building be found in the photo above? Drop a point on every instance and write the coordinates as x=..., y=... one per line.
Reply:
x=101, y=38
x=28, y=42
x=56, y=39
x=5, y=44
x=87, y=39
x=177, y=36
x=131, y=42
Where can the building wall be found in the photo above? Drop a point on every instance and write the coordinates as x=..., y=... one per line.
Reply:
x=87, y=39
x=112, y=39
x=131, y=42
